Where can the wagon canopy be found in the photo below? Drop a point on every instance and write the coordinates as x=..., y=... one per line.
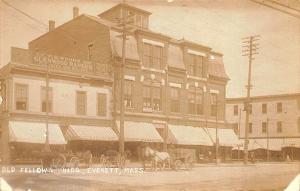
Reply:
x=140, y=132
x=227, y=137
x=31, y=132
x=90, y=133
x=188, y=135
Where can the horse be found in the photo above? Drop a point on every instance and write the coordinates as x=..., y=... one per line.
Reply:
x=86, y=157
x=158, y=158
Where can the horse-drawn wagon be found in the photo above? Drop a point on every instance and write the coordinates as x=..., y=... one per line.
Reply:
x=72, y=160
x=177, y=158
x=112, y=158
x=182, y=158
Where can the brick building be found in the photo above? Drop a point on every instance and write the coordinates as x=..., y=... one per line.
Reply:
x=173, y=88
x=273, y=118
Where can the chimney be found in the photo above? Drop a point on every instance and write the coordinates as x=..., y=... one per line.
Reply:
x=75, y=12
x=51, y=25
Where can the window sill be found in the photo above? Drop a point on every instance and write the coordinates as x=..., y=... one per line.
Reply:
x=196, y=78
x=153, y=70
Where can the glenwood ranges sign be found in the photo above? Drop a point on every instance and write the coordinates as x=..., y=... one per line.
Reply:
x=61, y=63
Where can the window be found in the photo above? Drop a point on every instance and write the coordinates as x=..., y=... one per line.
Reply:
x=44, y=99
x=175, y=101
x=264, y=127
x=21, y=97
x=264, y=108
x=101, y=107
x=236, y=128
x=299, y=125
x=152, y=97
x=195, y=99
x=213, y=104
x=138, y=20
x=90, y=50
x=250, y=128
x=250, y=108
x=279, y=127
x=81, y=103
x=3, y=94
x=279, y=107
x=196, y=65
x=152, y=56
x=128, y=93
x=298, y=102
x=235, y=110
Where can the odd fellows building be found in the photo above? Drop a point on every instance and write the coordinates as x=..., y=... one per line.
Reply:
x=174, y=90
x=274, y=125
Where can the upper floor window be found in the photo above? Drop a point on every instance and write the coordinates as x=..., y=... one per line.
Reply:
x=152, y=97
x=250, y=108
x=279, y=127
x=101, y=101
x=175, y=100
x=250, y=128
x=3, y=94
x=44, y=99
x=81, y=103
x=279, y=107
x=90, y=50
x=128, y=93
x=152, y=56
x=264, y=127
x=213, y=104
x=195, y=65
x=195, y=99
x=235, y=110
x=298, y=102
x=264, y=108
x=21, y=97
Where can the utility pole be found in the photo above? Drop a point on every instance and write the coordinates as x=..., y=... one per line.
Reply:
x=251, y=49
x=268, y=151
x=217, y=132
x=124, y=21
x=47, y=147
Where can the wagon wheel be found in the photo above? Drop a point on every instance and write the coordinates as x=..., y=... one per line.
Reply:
x=74, y=161
x=120, y=161
x=177, y=164
x=59, y=161
x=189, y=162
x=102, y=161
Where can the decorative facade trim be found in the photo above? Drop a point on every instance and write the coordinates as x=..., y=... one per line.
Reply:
x=152, y=42
x=196, y=52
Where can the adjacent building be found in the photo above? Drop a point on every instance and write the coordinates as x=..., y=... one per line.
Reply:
x=172, y=88
x=274, y=122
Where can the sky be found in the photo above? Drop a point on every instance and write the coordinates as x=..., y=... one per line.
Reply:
x=219, y=24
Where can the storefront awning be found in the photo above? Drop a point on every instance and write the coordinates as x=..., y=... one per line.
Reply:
x=30, y=132
x=187, y=135
x=90, y=133
x=254, y=144
x=291, y=142
x=140, y=131
x=227, y=137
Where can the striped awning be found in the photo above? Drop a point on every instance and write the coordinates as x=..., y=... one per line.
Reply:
x=140, y=132
x=90, y=133
x=227, y=137
x=291, y=142
x=254, y=144
x=188, y=135
x=31, y=132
